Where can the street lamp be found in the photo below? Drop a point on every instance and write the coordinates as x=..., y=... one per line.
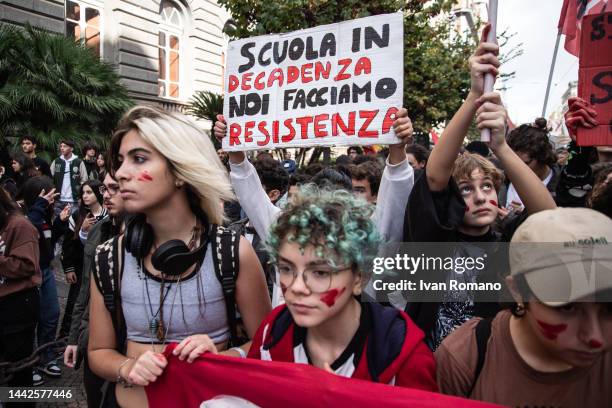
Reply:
x=469, y=17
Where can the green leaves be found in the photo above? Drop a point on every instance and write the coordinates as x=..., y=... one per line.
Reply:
x=54, y=87
x=207, y=105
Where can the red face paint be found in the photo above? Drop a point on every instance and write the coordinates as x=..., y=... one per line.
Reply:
x=329, y=297
x=467, y=209
x=595, y=344
x=145, y=176
x=493, y=202
x=551, y=331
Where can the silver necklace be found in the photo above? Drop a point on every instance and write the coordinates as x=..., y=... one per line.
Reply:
x=154, y=322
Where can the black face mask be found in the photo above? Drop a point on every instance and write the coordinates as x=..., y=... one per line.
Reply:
x=574, y=186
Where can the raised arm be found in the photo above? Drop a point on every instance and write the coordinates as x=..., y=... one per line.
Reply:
x=440, y=163
x=396, y=183
x=247, y=187
x=492, y=115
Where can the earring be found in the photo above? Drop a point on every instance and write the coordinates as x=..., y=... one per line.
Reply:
x=178, y=183
x=519, y=309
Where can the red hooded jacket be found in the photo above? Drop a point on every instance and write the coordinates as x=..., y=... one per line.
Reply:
x=393, y=353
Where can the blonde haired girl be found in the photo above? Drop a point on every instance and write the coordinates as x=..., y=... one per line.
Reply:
x=172, y=181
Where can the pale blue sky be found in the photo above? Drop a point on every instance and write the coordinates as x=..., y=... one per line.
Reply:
x=535, y=22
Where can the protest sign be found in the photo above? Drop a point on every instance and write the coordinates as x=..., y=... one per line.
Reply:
x=595, y=77
x=336, y=84
x=221, y=381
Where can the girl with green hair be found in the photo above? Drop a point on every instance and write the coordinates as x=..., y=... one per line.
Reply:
x=322, y=244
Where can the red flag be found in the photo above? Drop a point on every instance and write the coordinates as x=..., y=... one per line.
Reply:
x=249, y=382
x=563, y=15
x=570, y=20
x=434, y=136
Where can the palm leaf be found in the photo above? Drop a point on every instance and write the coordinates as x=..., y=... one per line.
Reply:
x=207, y=105
x=54, y=87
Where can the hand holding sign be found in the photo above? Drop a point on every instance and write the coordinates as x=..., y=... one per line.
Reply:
x=594, y=82
x=579, y=114
x=403, y=128
x=220, y=130
x=404, y=131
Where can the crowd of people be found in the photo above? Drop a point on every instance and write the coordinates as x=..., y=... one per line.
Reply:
x=163, y=240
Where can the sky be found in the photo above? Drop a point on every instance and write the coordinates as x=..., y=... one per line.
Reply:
x=535, y=24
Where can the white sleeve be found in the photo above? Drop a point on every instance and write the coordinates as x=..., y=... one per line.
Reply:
x=252, y=197
x=395, y=187
x=83, y=236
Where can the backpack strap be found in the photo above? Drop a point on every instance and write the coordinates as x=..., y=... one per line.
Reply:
x=226, y=260
x=483, y=332
x=108, y=269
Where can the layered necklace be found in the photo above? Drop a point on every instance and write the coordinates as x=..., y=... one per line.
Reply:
x=157, y=327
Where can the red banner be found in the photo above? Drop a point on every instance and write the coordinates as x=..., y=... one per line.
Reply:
x=595, y=77
x=247, y=383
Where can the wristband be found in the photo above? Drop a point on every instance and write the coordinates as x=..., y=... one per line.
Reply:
x=240, y=351
x=120, y=379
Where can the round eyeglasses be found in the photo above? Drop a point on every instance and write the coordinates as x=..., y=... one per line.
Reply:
x=318, y=279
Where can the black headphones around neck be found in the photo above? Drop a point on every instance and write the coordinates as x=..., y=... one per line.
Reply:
x=173, y=257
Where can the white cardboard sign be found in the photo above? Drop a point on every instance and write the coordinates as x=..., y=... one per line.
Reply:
x=337, y=84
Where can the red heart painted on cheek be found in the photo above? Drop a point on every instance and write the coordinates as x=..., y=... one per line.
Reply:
x=329, y=297
x=551, y=331
x=145, y=176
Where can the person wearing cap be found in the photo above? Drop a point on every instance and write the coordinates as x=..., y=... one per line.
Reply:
x=552, y=346
x=68, y=172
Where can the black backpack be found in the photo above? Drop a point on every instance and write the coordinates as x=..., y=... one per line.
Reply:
x=483, y=332
x=108, y=269
x=259, y=246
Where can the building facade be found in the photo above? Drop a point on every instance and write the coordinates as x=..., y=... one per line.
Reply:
x=466, y=15
x=163, y=50
x=559, y=135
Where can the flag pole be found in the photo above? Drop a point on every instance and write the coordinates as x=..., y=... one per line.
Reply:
x=550, y=75
x=489, y=80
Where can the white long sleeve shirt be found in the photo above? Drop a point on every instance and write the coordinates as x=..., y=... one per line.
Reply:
x=395, y=187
